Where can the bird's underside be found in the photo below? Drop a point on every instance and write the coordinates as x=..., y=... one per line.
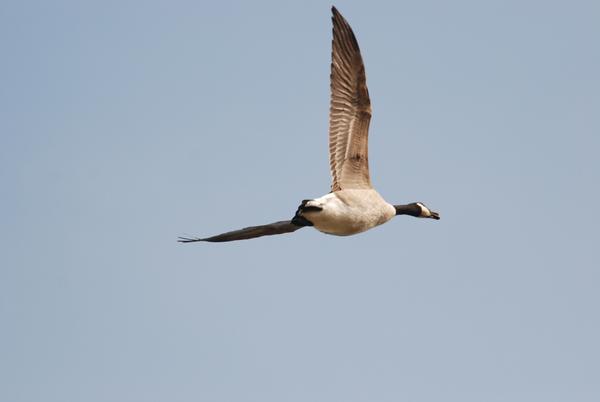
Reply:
x=340, y=213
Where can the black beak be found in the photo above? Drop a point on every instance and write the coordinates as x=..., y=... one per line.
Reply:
x=435, y=215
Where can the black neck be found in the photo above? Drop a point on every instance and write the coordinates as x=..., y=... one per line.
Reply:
x=408, y=209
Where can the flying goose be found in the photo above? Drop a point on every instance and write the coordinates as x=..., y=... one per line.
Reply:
x=352, y=206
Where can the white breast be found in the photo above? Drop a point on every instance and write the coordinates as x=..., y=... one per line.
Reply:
x=348, y=212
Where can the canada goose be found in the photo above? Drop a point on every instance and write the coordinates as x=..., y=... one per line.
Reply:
x=352, y=206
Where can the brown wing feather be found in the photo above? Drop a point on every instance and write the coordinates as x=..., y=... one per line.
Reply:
x=349, y=112
x=248, y=233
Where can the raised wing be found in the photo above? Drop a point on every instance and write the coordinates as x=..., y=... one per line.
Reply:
x=349, y=111
x=248, y=233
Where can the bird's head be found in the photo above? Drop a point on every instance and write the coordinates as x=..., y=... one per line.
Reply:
x=426, y=212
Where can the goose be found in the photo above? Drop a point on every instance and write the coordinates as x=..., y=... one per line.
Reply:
x=352, y=206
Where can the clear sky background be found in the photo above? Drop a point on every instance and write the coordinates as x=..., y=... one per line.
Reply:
x=126, y=124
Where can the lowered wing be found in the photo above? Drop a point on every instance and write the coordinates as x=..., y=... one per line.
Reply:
x=250, y=232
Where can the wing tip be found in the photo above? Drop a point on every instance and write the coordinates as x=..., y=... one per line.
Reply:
x=335, y=14
x=343, y=29
x=189, y=239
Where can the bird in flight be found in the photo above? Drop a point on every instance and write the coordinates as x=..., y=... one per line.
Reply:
x=353, y=206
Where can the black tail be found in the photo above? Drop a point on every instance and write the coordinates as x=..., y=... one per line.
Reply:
x=300, y=220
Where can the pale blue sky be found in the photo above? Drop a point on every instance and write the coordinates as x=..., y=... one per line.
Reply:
x=126, y=124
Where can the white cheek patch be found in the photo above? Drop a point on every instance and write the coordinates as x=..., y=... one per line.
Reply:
x=425, y=212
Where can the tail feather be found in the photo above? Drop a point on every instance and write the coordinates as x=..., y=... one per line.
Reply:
x=299, y=219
